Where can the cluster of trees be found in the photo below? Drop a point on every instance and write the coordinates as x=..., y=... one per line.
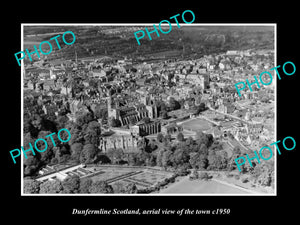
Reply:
x=115, y=122
x=202, y=175
x=203, y=153
x=82, y=147
x=144, y=156
x=261, y=174
x=85, y=139
x=35, y=127
x=75, y=185
x=100, y=112
x=173, y=104
x=70, y=185
x=129, y=188
x=188, y=153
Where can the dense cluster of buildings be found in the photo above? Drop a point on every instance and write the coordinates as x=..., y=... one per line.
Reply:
x=142, y=97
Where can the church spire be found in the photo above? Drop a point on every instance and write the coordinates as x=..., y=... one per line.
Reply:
x=76, y=59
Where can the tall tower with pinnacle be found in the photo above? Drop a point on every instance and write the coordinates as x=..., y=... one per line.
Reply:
x=76, y=59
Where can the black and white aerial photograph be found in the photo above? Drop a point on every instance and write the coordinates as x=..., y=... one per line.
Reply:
x=147, y=117
x=144, y=112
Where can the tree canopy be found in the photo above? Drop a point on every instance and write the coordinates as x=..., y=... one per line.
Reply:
x=71, y=184
x=100, y=187
x=51, y=187
x=31, y=186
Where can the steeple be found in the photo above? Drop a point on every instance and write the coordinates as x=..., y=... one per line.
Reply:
x=76, y=59
x=109, y=102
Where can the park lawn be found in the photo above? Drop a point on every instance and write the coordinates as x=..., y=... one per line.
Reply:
x=149, y=177
x=247, y=185
x=227, y=148
x=186, y=186
x=197, y=124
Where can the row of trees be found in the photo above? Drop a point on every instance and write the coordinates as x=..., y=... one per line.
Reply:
x=73, y=185
x=203, y=153
x=202, y=175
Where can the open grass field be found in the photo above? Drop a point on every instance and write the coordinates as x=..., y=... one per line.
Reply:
x=227, y=148
x=197, y=124
x=186, y=186
x=150, y=177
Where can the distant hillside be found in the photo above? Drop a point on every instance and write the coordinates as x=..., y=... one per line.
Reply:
x=120, y=41
x=233, y=37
